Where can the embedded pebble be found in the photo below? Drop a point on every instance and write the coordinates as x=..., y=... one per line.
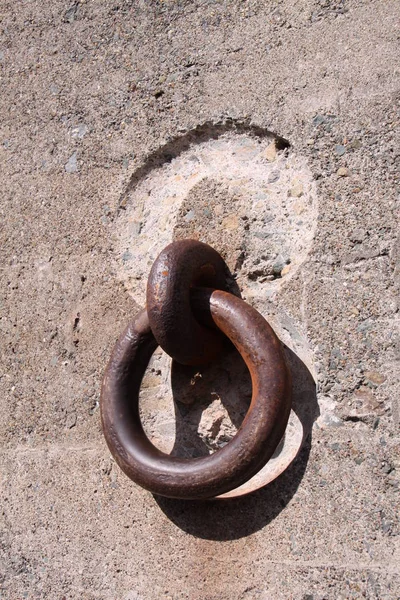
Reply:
x=279, y=264
x=79, y=131
x=189, y=216
x=340, y=149
x=343, y=172
x=375, y=377
x=70, y=421
x=366, y=403
x=274, y=176
x=71, y=166
x=358, y=235
x=328, y=421
x=127, y=255
x=270, y=153
x=297, y=190
x=231, y=222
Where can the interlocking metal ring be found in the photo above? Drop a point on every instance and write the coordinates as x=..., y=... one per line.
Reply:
x=265, y=421
x=179, y=267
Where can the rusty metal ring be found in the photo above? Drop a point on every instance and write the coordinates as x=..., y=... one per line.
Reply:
x=179, y=267
x=258, y=436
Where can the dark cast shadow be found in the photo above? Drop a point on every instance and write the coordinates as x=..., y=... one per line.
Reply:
x=229, y=380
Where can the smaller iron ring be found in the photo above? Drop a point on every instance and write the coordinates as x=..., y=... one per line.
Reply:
x=179, y=267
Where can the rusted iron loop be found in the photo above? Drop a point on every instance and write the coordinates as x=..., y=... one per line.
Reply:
x=258, y=436
x=179, y=267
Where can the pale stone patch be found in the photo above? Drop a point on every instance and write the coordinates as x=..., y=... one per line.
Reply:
x=258, y=207
x=277, y=221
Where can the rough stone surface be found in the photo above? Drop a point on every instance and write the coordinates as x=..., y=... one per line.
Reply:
x=102, y=105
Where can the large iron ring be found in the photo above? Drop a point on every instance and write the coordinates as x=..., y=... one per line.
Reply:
x=258, y=436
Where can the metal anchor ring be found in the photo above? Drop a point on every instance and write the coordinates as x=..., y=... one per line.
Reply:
x=258, y=436
x=179, y=267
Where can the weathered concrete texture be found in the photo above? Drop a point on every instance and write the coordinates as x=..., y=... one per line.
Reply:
x=89, y=91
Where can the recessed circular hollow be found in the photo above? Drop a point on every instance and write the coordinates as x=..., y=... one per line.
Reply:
x=180, y=266
x=256, y=439
x=285, y=453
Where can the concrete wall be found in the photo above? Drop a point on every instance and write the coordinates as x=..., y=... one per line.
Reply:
x=88, y=92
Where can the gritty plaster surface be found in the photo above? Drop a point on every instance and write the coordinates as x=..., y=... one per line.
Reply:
x=96, y=99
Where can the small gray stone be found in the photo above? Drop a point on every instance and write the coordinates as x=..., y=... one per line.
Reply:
x=70, y=421
x=135, y=228
x=363, y=253
x=260, y=196
x=94, y=407
x=79, y=131
x=335, y=446
x=189, y=216
x=358, y=235
x=274, y=176
x=127, y=256
x=279, y=263
x=365, y=326
x=340, y=149
x=386, y=526
x=355, y=144
x=71, y=166
x=318, y=120
x=70, y=14
x=262, y=235
x=328, y=421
